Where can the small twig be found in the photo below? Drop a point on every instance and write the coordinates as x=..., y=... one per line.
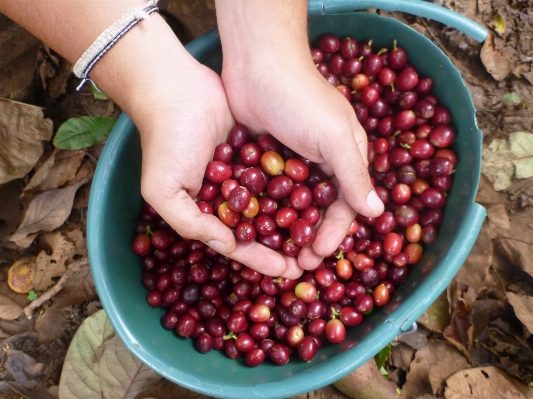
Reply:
x=74, y=267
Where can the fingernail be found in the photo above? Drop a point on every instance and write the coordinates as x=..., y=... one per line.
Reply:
x=373, y=201
x=217, y=246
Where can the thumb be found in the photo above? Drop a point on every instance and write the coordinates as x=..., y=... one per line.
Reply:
x=349, y=167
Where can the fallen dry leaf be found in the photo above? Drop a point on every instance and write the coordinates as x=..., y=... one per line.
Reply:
x=402, y=355
x=165, y=389
x=485, y=383
x=486, y=194
x=22, y=368
x=517, y=247
x=65, y=167
x=20, y=275
x=49, y=266
x=497, y=164
x=9, y=310
x=50, y=325
x=437, y=316
x=366, y=382
x=98, y=364
x=460, y=331
x=54, y=71
x=19, y=299
x=498, y=221
x=42, y=168
x=328, y=392
x=19, y=52
x=11, y=209
x=430, y=368
x=486, y=310
x=474, y=273
x=496, y=63
x=47, y=211
x=85, y=172
x=123, y=374
x=75, y=235
x=523, y=307
x=79, y=289
x=22, y=129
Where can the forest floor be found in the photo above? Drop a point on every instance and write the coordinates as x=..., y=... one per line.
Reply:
x=475, y=340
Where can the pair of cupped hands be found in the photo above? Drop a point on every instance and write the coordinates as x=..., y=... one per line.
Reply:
x=271, y=88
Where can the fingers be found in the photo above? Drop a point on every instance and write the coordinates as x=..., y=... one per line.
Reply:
x=265, y=260
x=182, y=213
x=337, y=220
x=349, y=167
x=332, y=230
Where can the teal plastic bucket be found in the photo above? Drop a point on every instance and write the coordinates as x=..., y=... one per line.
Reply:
x=115, y=203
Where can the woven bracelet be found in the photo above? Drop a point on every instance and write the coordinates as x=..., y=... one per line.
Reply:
x=108, y=38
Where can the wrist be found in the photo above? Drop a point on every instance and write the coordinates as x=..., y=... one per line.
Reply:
x=144, y=67
x=254, y=33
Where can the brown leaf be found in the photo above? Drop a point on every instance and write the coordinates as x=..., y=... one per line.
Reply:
x=75, y=235
x=165, y=389
x=22, y=127
x=484, y=311
x=54, y=71
x=437, y=316
x=19, y=299
x=65, y=167
x=366, y=382
x=47, y=211
x=42, y=168
x=81, y=200
x=432, y=365
x=498, y=221
x=19, y=53
x=486, y=194
x=523, y=307
x=11, y=209
x=517, y=247
x=54, y=265
x=23, y=368
x=79, y=289
x=496, y=63
x=9, y=310
x=85, y=172
x=474, y=273
x=485, y=383
x=328, y=392
x=401, y=356
x=50, y=325
x=460, y=331
x=123, y=375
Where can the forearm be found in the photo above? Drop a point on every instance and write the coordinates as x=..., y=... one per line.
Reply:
x=146, y=56
x=253, y=30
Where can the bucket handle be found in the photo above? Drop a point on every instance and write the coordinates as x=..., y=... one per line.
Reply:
x=414, y=7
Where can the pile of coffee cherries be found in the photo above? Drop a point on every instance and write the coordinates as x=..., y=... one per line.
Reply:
x=266, y=192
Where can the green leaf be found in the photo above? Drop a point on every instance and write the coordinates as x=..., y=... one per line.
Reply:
x=384, y=372
x=512, y=98
x=32, y=295
x=521, y=145
x=382, y=356
x=83, y=132
x=99, y=95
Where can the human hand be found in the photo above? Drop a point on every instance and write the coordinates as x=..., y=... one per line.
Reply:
x=272, y=86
